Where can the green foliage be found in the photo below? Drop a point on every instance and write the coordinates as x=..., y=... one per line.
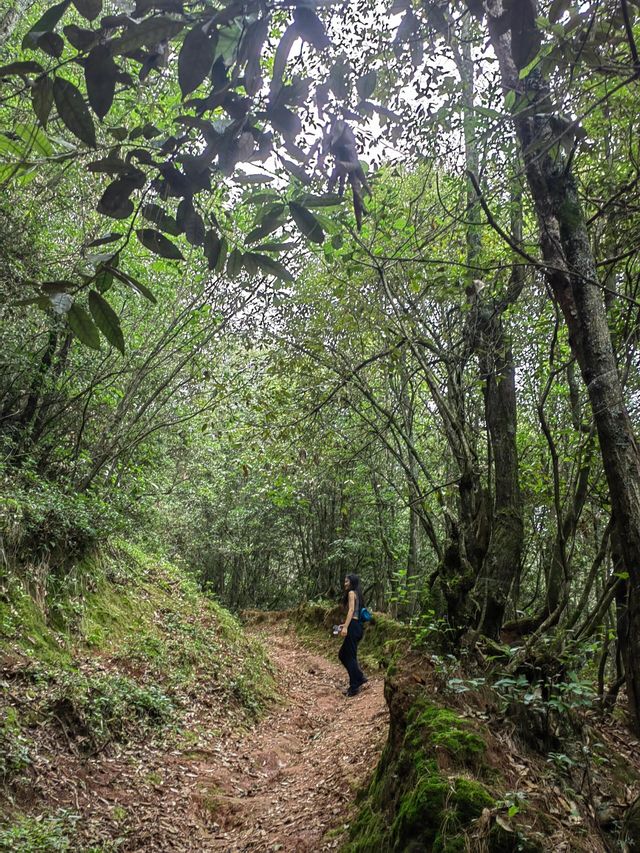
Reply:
x=42, y=518
x=560, y=696
x=157, y=637
x=45, y=833
x=428, y=723
x=14, y=746
x=97, y=707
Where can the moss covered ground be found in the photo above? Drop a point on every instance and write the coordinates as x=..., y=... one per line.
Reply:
x=424, y=795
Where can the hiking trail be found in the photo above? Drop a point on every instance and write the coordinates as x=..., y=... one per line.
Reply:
x=286, y=784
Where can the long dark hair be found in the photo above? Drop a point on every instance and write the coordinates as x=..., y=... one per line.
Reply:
x=354, y=586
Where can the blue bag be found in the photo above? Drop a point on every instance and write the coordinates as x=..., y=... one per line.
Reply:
x=366, y=615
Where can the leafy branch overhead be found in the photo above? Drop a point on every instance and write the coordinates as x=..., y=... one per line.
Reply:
x=86, y=70
x=219, y=58
x=232, y=86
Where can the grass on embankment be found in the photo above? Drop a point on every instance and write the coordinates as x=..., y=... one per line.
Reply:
x=116, y=652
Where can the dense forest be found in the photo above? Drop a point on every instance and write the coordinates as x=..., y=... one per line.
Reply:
x=293, y=290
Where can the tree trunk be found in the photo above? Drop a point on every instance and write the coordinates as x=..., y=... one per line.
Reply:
x=498, y=564
x=501, y=565
x=572, y=275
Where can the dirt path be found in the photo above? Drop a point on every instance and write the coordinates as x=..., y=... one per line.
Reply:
x=294, y=776
x=204, y=786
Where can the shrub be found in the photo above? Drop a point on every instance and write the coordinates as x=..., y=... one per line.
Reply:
x=48, y=834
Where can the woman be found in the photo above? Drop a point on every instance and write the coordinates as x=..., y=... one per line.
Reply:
x=352, y=632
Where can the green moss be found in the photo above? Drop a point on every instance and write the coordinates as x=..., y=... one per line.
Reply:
x=471, y=798
x=23, y=625
x=369, y=833
x=428, y=724
x=438, y=807
x=412, y=803
x=421, y=811
x=162, y=637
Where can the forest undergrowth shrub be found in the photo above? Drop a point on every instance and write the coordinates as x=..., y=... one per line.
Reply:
x=15, y=754
x=546, y=693
x=52, y=833
x=41, y=519
x=128, y=643
x=450, y=775
x=106, y=706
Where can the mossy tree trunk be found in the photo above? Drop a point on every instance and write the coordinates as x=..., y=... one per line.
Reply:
x=501, y=565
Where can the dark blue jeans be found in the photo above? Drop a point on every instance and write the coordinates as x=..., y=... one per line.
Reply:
x=348, y=654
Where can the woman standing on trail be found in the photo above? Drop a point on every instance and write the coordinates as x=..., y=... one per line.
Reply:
x=352, y=632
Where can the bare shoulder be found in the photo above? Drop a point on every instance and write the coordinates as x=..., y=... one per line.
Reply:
x=352, y=597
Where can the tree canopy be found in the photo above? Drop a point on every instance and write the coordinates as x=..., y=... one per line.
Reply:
x=295, y=289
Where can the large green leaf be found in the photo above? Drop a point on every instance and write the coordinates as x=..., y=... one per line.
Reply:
x=127, y=278
x=45, y=24
x=80, y=38
x=154, y=213
x=73, y=111
x=111, y=237
x=196, y=58
x=212, y=246
x=366, y=84
x=311, y=28
x=158, y=243
x=268, y=221
x=115, y=201
x=149, y=32
x=100, y=74
x=83, y=326
x=89, y=9
x=42, y=98
x=234, y=264
x=325, y=200
x=339, y=77
x=106, y=320
x=52, y=44
x=306, y=222
x=222, y=255
x=35, y=140
x=272, y=267
x=28, y=66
